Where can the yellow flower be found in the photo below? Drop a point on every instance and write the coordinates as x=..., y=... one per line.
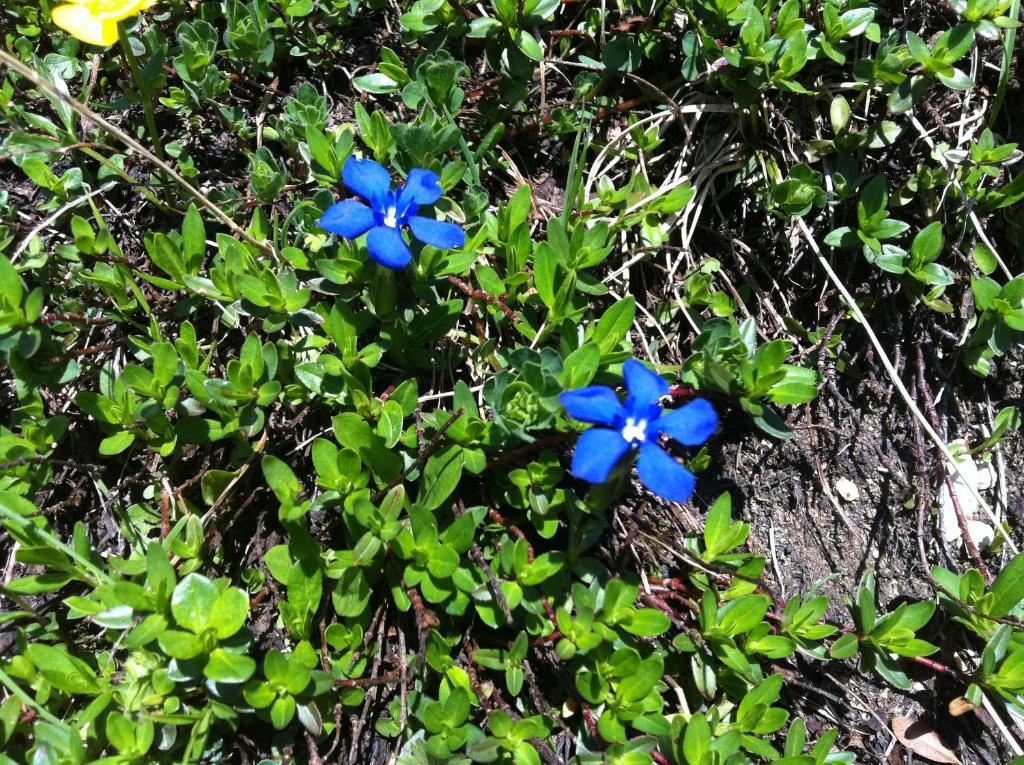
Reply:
x=95, y=21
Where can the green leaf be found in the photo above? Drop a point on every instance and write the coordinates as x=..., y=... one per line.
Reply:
x=389, y=427
x=798, y=386
x=543, y=567
x=696, y=740
x=514, y=679
x=165, y=363
x=281, y=480
x=275, y=666
x=441, y=475
x=305, y=588
x=839, y=114
x=844, y=647
x=614, y=324
x=259, y=695
x=64, y=672
x=528, y=44
x=647, y=622
x=37, y=584
x=984, y=258
x=353, y=432
x=224, y=667
x=742, y=615
x=580, y=366
x=297, y=677
x=116, y=443
x=10, y=282
x=890, y=671
x=483, y=27
x=619, y=597
x=179, y=644
x=166, y=256
x=193, y=241
x=282, y=712
x=442, y=562
x=918, y=48
x=192, y=602
x=1008, y=588
x=622, y=55
x=145, y=632
x=954, y=43
x=214, y=483
x=545, y=269
x=716, y=525
x=323, y=154
x=375, y=82
x=873, y=203
x=120, y=732
x=278, y=562
x=927, y=244
x=866, y=610
x=351, y=594
x=229, y=612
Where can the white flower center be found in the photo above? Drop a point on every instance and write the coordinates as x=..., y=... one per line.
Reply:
x=634, y=430
x=391, y=219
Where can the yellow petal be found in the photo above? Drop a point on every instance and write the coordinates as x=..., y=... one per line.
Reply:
x=116, y=11
x=78, y=22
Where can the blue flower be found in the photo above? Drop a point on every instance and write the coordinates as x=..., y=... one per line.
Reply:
x=634, y=426
x=389, y=211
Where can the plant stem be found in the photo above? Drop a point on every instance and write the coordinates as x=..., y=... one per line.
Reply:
x=140, y=92
x=1009, y=40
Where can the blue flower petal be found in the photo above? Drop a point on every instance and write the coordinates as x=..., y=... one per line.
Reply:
x=387, y=247
x=690, y=425
x=367, y=178
x=447, y=236
x=663, y=475
x=645, y=387
x=422, y=187
x=597, y=452
x=348, y=218
x=596, y=403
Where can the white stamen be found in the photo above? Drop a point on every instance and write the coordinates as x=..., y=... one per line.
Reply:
x=634, y=430
x=391, y=219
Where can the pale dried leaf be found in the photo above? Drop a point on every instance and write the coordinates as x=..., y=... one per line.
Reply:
x=922, y=740
x=847, y=489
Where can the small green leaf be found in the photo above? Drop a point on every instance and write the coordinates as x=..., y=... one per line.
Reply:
x=528, y=44
x=441, y=475
x=64, y=672
x=647, y=622
x=193, y=240
x=229, y=612
x=179, y=644
x=580, y=366
x=844, y=647
x=696, y=740
x=192, y=602
x=259, y=695
x=545, y=270
x=1008, y=588
x=224, y=667
x=984, y=258
x=281, y=480
x=116, y=443
x=282, y=712
x=614, y=324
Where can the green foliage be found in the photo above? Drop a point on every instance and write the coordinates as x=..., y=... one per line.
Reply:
x=258, y=492
x=728, y=359
x=1000, y=322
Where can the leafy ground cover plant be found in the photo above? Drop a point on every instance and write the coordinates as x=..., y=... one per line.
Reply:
x=279, y=484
